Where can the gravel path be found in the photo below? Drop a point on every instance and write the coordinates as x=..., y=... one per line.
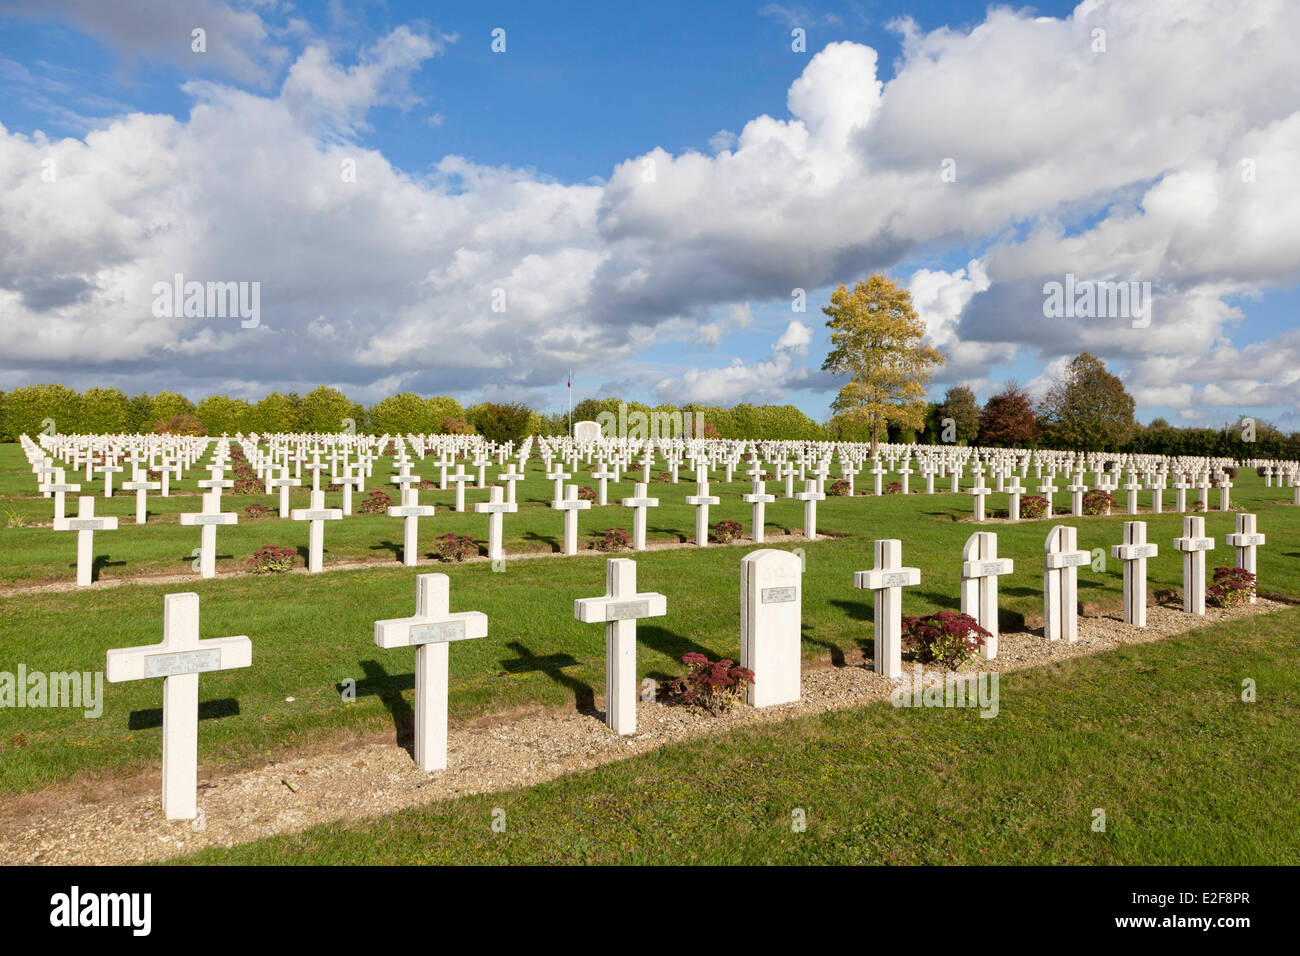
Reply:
x=123, y=823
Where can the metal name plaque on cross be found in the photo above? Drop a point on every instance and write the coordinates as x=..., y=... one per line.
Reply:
x=894, y=580
x=993, y=567
x=627, y=611
x=1199, y=544
x=86, y=524
x=1075, y=559
x=182, y=662
x=210, y=519
x=1248, y=540
x=1143, y=551
x=777, y=595
x=438, y=633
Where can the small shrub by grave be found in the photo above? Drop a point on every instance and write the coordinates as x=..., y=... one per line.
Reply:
x=247, y=485
x=455, y=547
x=270, y=559
x=377, y=503
x=726, y=531
x=664, y=476
x=1232, y=587
x=256, y=512
x=611, y=539
x=1097, y=502
x=1033, y=506
x=839, y=488
x=945, y=637
x=586, y=493
x=716, y=686
x=894, y=488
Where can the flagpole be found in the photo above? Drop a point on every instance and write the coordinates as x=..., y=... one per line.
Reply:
x=570, y=403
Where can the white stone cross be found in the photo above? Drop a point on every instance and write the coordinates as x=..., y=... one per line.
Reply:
x=1047, y=489
x=510, y=476
x=1245, y=539
x=410, y=511
x=348, y=481
x=59, y=487
x=108, y=469
x=701, y=501
x=603, y=477
x=1132, y=486
x=1181, y=484
x=317, y=515
x=619, y=610
x=1194, y=544
x=1061, y=565
x=140, y=484
x=1077, y=491
x=207, y=520
x=284, y=483
x=1134, y=552
x=459, y=479
x=887, y=579
x=495, y=508
x=1158, y=493
x=810, y=496
x=758, y=499
x=878, y=477
x=571, y=504
x=1014, y=490
x=85, y=524
x=431, y=631
x=558, y=475
x=771, y=612
x=179, y=660
x=1225, y=491
x=639, y=502
x=979, y=491
x=980, y=569
x=216, y=480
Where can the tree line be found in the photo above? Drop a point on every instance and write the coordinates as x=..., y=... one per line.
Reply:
x=33, y=409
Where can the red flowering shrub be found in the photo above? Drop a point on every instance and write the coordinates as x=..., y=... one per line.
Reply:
x=454, y=547
x=1232, y=587
x=894, y=488
x=838, y=488
x=1033, y=506
x=612, y=539
x=725, y=531
x=1097, y=502
x=664, y=476
x=247, y=485
x=257, y=512
x=714, y=685
x=270, y=559
x=376, y=504
x=946, y=638
x=586, y=493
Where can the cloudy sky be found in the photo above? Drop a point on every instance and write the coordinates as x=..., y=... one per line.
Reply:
x=639, y=192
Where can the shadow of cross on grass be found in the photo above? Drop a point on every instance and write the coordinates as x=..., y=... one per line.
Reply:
x=584, y=698
x=388, y=688
x=208, y=710
x=100, y=562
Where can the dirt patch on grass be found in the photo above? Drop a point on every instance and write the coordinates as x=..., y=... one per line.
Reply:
x=106, y=821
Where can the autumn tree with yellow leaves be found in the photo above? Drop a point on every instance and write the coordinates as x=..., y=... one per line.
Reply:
x=877, y=340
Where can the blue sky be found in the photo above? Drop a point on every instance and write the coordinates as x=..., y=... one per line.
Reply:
x=643, y=288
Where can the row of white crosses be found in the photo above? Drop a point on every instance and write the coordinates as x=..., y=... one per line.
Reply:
x=771, y=625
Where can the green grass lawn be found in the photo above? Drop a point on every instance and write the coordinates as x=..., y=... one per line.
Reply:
x=312, y=633
x=1155, y=735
